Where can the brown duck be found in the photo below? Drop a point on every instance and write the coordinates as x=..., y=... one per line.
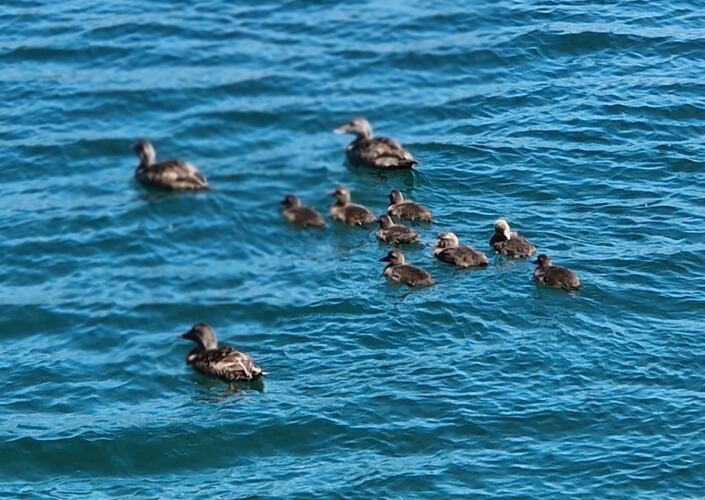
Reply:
x=398, y=271
x=349, y=213
x=510, y=244
x=407, y=209
x=376, y=152
x=222, y=362
x=300, y=215
x=555, y=276
x=169, y=174
x=449, y=250
x=395, y=234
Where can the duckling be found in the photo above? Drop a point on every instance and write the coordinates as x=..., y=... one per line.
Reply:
x=396, y=234
x=222, y=362
x=558, y=277
x=300, y=215
x=349, y=213
x=510, y=244
x=375, y=152
x=399, y=271
x=169, y=174
x=407, y=209
x=448, y=250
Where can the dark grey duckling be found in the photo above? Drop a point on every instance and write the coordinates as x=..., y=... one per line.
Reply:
x=449, y=250
x=375, y=152
x=395, y=234
x=407, y=209
x=555, y=276
x=169, y=174
x=349, y=213
x=510, y=244
x=222, y=362
x=399, y=271
x=300, y=215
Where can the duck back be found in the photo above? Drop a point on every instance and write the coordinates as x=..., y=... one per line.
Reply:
x=225, y=363
x=171, y=174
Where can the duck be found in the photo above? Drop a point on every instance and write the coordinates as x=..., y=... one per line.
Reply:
x=300, y=215
x=510, y=244
x=407, y=209
x=449, y=250
x=222, y=362
x=395, y=234
x=398, y=271
x=558, y=277
x=169, y=174
x=349, y=213
x=376, y=152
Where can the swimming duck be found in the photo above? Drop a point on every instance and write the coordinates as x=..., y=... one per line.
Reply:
x=396, y=234
x=510, y=244
x=449, y=250
x=169, y=174
x=407, y=209
x=558, y=277
x=349, y=213
x=399, y=271
x=222, y=362
x=376, y=152
x=300, y=215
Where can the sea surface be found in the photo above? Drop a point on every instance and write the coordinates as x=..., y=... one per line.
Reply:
x=580, y=122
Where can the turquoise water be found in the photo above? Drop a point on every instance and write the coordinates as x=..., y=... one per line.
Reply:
x=581, y=124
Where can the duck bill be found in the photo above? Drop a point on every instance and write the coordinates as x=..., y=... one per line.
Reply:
x=187, y=335
x=342, y=130
x=384, y=259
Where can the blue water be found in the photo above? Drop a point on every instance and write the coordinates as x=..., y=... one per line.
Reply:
x=581, y=124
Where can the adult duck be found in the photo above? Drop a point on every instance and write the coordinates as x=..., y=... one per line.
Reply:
x=376, y=152
x=169, y=174
x=222, y=362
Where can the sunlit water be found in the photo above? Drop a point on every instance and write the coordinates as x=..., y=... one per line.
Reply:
x=581, y=124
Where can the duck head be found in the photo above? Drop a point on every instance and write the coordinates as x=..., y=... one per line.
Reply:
x=447, y=240
x=395, y=196
x=385, y=221
x=203, y=335
x=542, y=261
x=358, y=126
x=291, y=201
x=342, y=196
x=501, y=228
x=394, y=258
x=145, y=152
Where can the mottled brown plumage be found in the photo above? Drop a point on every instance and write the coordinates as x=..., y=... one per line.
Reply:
x=398, y=271
x=300, y=215
x=395, y=234
x=376, y=152
x=407, y=209
x=349, y=213
x=170, y=174
x=222, y=362
x=510, y=244
x=449, y=250
x=555, y=276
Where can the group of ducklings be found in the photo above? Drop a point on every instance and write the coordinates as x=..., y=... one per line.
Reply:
x=381, y=153
x=447, y=247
